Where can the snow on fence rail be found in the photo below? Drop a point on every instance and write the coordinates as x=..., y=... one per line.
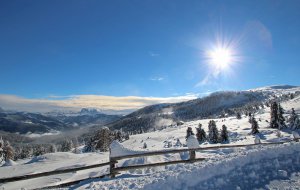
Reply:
x=55, y=172
x=192, y=156
x=134, y=154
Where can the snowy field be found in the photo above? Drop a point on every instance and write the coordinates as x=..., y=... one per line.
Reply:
x=50, y=162
x=274, y=167
x=261, y=168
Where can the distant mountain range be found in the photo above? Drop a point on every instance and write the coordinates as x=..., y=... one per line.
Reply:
x=24, y=122
x=218, y=104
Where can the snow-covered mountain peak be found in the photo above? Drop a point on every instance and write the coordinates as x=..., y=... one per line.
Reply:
x=89, y=111
x=277, y=88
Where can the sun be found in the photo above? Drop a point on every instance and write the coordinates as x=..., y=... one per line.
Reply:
x=220, y=57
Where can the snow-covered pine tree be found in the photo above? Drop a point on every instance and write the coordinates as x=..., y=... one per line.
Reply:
x=66, y=146
x=1, y=149
x=39, y=150
x=75, y=142
x=178, y=143
x=189, y=132
x=254, y=126
x=118, y=136
x=224, y=134
x=294, y=121
x=104, y=139
x=250, y=118
x=274, y=115
x=126, y=136
x=238, y=115
x=201, y=135
x=145, y=145
x=52, y=148
x=26, y=152
x=8, y=151
x=90, y=145
x=18, y=151
x=292, y=96
x=213, y=133
x=281, y=119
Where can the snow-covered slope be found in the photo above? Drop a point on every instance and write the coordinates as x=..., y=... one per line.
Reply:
x=218, y=103
x=246, y=168
x=242, y=168
x=50, y=162
x=262, y=168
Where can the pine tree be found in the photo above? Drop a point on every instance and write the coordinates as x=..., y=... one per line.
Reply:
x=1, y=149
x=294, y=121
x=224, y=134
x=104, y=139
x=276, y=116
x=26, y=152
x=52, y=148
x=178, y=143
x=281, y=119
x=39, y=150
x=126, y=136
x=238, y=115
x=66, y=146
x=213, y=133
x=8, y=151
x=254, y=126
x=201, y=135
x=90, y=145
x=145, y=145
x=119, y=136
x=76, y=150
x=189, y=132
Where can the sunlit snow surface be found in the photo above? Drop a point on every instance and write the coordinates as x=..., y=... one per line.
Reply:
x=243, y=168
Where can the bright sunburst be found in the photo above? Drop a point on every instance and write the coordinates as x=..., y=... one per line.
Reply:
x=221, y=57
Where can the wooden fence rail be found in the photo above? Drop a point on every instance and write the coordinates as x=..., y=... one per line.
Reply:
x=55, y=172
x=114, y=169
x=192, y=156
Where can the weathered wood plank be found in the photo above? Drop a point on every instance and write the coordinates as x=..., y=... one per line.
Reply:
x=55, y=172
x=125, y=168
x=172, y=151
x=62, y=185
x=154, y=153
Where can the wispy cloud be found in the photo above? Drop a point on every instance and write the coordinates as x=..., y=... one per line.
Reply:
x=152, y=54
x=157, y=78
x=76, y=102
x=209, y=79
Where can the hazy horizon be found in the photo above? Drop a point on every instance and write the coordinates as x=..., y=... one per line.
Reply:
x=124, y=55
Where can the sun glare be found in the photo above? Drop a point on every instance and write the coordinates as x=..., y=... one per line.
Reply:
x=220, y=57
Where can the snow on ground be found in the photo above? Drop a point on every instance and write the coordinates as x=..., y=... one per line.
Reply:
x=50, y=162
x=248, y=168
x=240, y=169
x=272, y=167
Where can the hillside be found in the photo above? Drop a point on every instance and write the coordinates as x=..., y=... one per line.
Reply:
x=24, y=122
x=21, y=122
x=231, y=168
x=217, y=104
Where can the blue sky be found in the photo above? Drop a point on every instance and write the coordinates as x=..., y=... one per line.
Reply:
x=144, y=48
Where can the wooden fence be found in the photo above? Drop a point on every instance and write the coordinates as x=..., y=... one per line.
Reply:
x=114, y=169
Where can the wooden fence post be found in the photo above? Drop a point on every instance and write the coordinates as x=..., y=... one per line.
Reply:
x=192, y=155
x=112, y=167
